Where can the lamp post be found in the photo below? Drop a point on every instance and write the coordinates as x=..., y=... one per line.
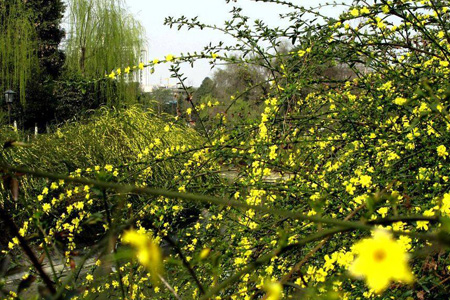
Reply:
x=9, y=99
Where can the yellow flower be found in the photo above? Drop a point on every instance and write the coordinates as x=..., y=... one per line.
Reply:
x=400, y=101
x=273, y=152
x=355, y=12
x=380, y=23
x=169, y=57
x=301, y=53
x=112, y=75
x=148, y=252
x=274, y=290
x=422, y=225
x=383, y=211
x=127, y=70
x=214, y=55
x=13, y=295
x=442, y=151
x=380, y=260
x=204, y=253
x=141, y=66
x=46, y=207
x=365, y=180
x=350, y=189
x=365, y=10
x=155, y=61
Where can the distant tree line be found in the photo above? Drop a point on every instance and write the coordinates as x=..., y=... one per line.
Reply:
x=242, y=88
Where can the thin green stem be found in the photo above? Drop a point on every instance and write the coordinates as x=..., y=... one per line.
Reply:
x=124, y=188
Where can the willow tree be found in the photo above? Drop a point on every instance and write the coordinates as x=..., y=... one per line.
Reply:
x=18, y=55
x=102, y=36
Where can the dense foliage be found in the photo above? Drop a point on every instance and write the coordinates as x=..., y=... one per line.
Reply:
x=102, y=35
x=43, y=69
x=18, y=58
x=337, y=190
x=39, y=103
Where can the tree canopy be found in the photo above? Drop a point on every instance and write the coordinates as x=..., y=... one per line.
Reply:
x=18, y=46
x=102, y=35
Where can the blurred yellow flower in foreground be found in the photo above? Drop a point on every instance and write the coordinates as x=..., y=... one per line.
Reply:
x=147, y=251
x=380, y=260
x=274, y=290
x=204, y=253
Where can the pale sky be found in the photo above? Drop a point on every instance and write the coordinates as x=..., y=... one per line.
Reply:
x=162, y=40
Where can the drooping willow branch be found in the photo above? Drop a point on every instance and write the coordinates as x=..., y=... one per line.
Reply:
x=18, y=55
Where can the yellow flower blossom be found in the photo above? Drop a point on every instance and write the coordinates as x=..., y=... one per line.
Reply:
x=365, y=10
x=274, y=290
x=383, y=211
x=170, y=57
x=381, y=260
x=354, y=12
x=442, y=151
x=46, y=207
x=204, y=253
x=147, y=251
x=365, y=180
x=400, y=101
x=273, y=152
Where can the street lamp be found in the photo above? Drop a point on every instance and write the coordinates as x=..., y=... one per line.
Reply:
x=9, y=99
x=9, y=96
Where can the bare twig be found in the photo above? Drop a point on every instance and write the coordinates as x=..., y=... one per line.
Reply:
x=169, y=287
